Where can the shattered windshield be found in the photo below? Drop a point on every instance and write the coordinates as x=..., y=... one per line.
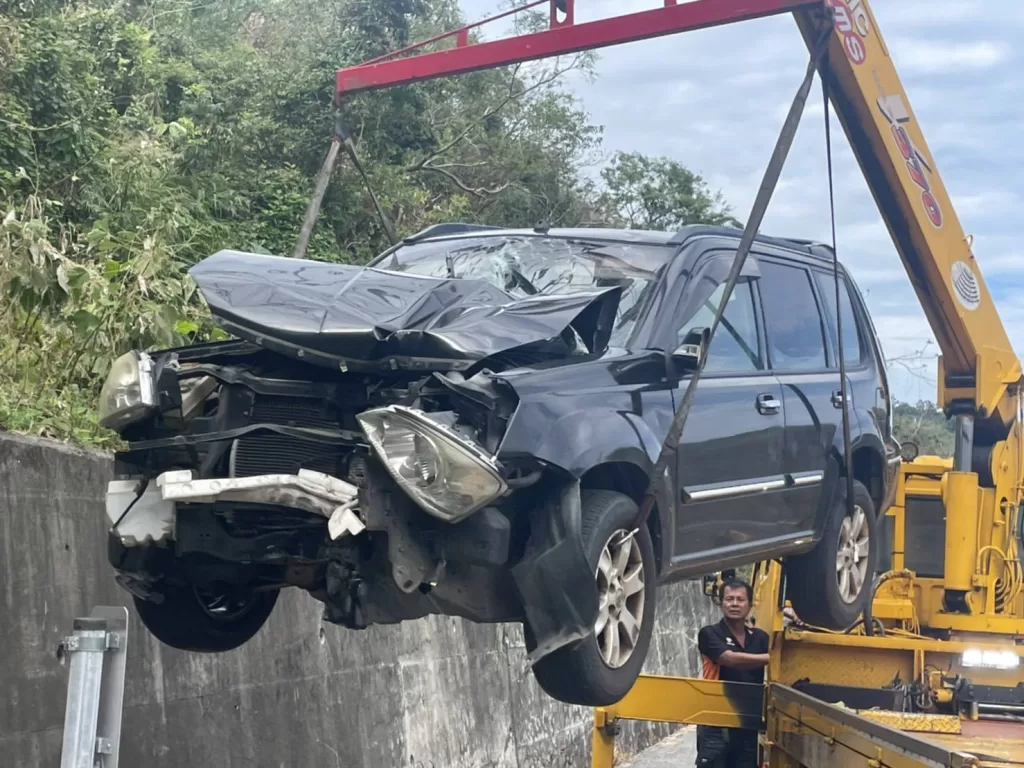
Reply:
x=525, y=266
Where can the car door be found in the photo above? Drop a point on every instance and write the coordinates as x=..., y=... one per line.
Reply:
x=799, y=357
x=729, y=460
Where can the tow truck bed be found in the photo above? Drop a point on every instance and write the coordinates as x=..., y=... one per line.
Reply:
x=802, y=731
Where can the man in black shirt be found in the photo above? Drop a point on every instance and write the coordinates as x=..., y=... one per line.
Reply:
x=731, y=651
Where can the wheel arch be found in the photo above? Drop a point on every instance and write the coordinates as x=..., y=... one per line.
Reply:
x=868, y=466
x=631, y=480
x=869, y=469
x=604, y=449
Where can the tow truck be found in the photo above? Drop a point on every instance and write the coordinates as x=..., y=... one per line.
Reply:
x=930, y=676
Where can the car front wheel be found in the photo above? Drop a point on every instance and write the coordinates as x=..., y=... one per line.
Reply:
x=600, y=669
x=830, y=585
x=203, y=620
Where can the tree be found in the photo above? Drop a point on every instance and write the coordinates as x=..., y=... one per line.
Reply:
x=658, y=193
x=168, y=132
x=925, y=425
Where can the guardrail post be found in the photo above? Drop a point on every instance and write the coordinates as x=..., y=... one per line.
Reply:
x=92, y=716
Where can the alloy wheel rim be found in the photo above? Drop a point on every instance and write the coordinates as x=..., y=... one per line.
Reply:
x=621, y=592
x=852, y=555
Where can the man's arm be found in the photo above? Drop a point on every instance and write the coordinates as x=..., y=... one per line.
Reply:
x=740, y=660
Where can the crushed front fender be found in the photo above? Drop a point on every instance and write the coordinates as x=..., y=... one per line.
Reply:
x=555, y=580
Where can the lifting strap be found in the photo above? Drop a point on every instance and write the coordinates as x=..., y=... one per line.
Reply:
x=826, y=73
x=341, y=138
x=667, y=455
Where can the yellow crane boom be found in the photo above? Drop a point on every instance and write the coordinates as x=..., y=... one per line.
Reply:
x=979, y=371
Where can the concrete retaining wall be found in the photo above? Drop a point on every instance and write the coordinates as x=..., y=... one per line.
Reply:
x=436, y=693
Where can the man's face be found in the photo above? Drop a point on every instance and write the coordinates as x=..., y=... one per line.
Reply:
x=735, y=604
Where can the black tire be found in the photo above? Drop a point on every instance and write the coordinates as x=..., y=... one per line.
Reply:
x=813, y=580
x=578, y=673
x=181, y=621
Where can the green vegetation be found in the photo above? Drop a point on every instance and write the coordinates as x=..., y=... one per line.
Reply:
x=925, y=425
x=138, y=137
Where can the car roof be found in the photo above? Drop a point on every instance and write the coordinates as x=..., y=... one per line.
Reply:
x=455, y=230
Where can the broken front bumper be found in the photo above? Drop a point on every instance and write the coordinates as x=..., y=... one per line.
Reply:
x=142, y=512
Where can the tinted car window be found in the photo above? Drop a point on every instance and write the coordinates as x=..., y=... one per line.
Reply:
x=734, y=349
x=852, y=346
x=524, y=266
x=793, y=326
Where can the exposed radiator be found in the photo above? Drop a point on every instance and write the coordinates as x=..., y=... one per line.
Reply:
x=265, y=453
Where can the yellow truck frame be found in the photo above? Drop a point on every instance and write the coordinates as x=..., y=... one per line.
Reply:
x=941, y=628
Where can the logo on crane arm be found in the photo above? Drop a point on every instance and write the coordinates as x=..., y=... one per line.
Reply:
x=853, y=24
x=965, y=285
x=896, y=113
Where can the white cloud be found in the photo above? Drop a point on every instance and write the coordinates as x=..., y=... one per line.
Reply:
x=933, y=57
x=988, y=202
x=715, y=100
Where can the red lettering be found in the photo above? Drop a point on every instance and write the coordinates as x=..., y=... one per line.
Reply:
x=855, y=49
x=902, y=141
x=896, y=113
x=848, y=25
x=917, y=174
x=931, y=207
x=843, y=22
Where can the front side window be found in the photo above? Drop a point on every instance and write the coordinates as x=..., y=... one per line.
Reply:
x=529, y=265
x=793, y=325
x=734, y=348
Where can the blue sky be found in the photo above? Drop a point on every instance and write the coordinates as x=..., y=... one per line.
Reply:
x=715, y=100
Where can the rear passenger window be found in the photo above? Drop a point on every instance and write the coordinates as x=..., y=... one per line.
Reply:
x=795, y=333
x=852, y=348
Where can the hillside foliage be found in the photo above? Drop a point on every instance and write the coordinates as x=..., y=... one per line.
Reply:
x=926, y=426
x=139, y=136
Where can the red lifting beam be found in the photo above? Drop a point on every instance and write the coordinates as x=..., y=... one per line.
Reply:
x=563, y=36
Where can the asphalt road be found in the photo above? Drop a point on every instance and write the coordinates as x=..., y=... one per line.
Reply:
x=677, y=751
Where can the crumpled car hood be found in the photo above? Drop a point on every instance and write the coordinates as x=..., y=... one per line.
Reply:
x=336, y=313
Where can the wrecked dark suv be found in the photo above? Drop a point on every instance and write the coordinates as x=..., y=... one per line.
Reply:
x=467, y=425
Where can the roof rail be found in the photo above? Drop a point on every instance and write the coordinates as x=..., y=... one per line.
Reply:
x=693, y=230
x=809, y=243
x=447, y=228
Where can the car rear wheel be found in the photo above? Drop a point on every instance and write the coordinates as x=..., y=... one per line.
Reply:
x=831, y=584
x=205, y=620
x=600, y=669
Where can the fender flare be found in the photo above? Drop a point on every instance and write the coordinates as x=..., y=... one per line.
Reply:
x=554, y=578
x=555, y=583
x=833, y=484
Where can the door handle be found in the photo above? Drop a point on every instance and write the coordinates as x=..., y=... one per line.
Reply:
x=837, y=398
x=768, y=404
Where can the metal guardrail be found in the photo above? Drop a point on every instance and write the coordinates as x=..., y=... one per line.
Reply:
x=97, y=649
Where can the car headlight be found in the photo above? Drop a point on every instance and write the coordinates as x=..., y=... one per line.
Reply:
x=129, y=392
x=449, y=477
